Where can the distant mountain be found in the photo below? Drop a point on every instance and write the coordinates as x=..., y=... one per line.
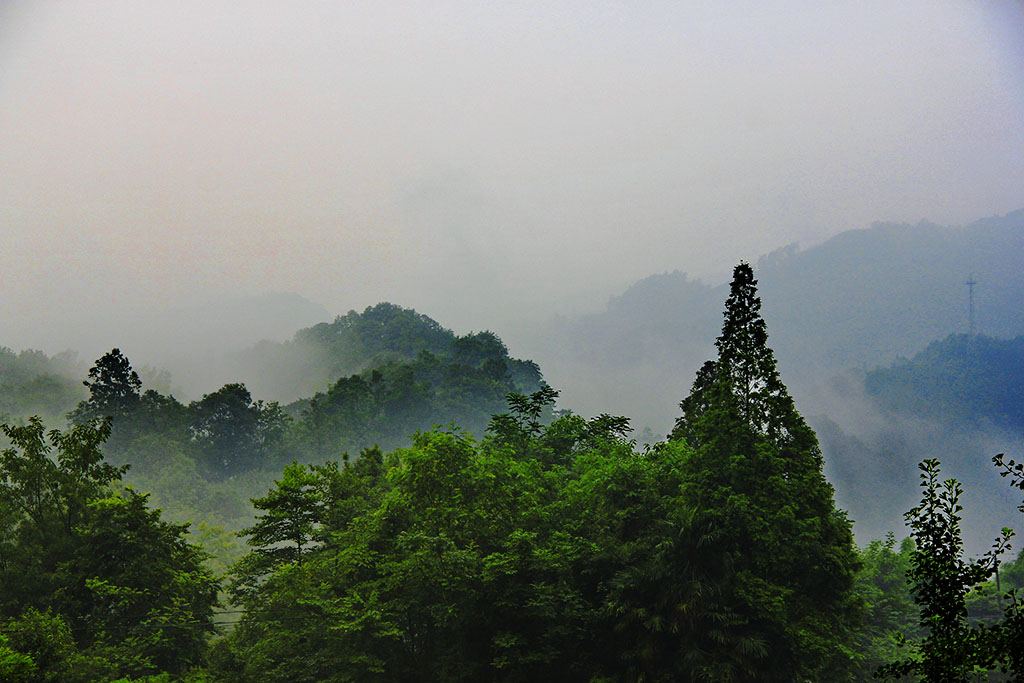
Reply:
x=960, y=400
x=867, y=296
x=860, y=299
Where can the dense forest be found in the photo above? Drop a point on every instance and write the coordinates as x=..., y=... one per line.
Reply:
x=963, y=379
x=424, y=511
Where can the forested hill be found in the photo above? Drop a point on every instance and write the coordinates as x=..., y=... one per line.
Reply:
x=371, y=377
x=33, y=383
x=961, y=380
x=386, y=333
x=960, y=399
x=387, y=373
x=858, y=300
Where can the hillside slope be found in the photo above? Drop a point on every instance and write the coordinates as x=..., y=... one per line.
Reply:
x=858, y=300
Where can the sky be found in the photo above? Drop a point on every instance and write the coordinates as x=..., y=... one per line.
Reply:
x=490, y=164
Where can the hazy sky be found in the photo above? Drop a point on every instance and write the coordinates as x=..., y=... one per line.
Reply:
x=482, y=162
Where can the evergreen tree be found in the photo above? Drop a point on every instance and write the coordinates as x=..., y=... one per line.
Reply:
x=757, y=472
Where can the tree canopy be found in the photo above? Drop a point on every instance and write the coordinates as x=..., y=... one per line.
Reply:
x=88, y=567
x=461, y=560
x=549, y=548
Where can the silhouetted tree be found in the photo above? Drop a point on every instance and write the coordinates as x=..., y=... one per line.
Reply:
x=113, y=390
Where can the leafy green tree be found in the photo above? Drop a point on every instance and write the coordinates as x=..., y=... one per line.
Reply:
x=45, y=639
x=544, y=553
x=520, y=427
x=15, y=667
x=1010, y=632
x=757, y=471
x=43, y=501
x=890, y=613
x=285, y=528
x=231, y=431
x=952, y=649
x=132, y=591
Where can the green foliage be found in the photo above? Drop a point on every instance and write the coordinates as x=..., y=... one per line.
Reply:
x=544, y=553
x=221, y=546
x=231, y=432
x=126, y=585
x=113, y=391
x=44, y=640
x=952, y=649
x=890, y=613
x=381, y=335
x=15, y=667
x=205, y=460
x=520, y=427
x=381, y=331
x=1009, y=633
x=32, y=383
x=288, y=517
x=757, y=472
x=385, y=405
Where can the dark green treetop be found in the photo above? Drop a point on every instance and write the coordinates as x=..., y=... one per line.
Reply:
x=745, y=369
x=113, y=389
x=757, y=472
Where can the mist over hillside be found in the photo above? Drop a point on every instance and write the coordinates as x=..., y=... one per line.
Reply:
x=188, y=338
x=835, y=312
x=861, y=300
x=858, y=300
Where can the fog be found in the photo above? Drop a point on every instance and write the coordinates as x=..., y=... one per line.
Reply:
x=490, y=165
x=183, y=180
x=871, y=458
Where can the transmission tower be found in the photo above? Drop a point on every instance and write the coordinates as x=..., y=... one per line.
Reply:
x=970, y=304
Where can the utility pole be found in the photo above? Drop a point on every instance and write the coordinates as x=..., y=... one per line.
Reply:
x=970, y=304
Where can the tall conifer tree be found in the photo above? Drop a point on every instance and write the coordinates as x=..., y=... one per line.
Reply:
x=757, y=471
